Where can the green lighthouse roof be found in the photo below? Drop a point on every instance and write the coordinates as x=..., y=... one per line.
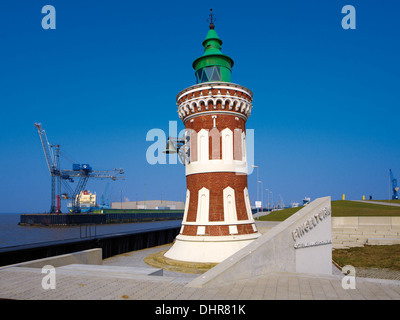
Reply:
x=213, y=65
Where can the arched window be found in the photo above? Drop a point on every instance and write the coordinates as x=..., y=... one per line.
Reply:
x=227, y=145
x=203, y=206
x=215, y=144
x=237, y=144
x=229, y=205
x=202, y=145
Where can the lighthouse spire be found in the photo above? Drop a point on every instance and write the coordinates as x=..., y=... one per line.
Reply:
x=213, y=65
x=211, y=19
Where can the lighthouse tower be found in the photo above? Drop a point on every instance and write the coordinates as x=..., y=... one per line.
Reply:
x=217, y=220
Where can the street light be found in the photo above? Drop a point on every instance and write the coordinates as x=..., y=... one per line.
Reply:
x=272, y=199
x=262, y=192
x=268, y=199
x=257, y=181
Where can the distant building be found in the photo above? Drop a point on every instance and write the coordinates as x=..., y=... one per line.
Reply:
x=149, y=204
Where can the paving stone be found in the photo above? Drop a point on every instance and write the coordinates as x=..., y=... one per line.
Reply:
x=25, y=284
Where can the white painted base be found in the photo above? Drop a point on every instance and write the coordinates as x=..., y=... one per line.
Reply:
x=208, y=249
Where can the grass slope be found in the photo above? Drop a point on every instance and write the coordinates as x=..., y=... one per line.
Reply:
x=369, y=257
x=342, y=208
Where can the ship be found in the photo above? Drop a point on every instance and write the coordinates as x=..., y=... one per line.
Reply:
x=306, y=201
x=88, y=202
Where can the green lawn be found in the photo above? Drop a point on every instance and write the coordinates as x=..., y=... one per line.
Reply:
x=342, y=208
x=369, y=257
x=280, y=215
x=345, y=208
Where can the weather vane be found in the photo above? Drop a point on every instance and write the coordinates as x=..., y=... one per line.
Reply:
x=211, y=19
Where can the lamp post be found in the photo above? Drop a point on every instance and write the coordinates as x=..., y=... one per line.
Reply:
x=262, y=192
x=268, y=199
x=272, y=199
x=257, y=181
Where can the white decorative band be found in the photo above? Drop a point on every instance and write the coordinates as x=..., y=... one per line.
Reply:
x=201, y=104
x=238, y=237
x=216, y=166
x=236, y=114
x=217, y=223
x=213, y=85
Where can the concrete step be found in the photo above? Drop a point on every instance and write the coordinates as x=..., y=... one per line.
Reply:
x=352, y=244
x=339, y=246
x=343, y=229
x=369, y=233
x=112, y=269
x=371, y=229
x=343, y=236
x=382, y=241
x=392, y=234
x=340, y=237
x=347, y=232
x=364, y=236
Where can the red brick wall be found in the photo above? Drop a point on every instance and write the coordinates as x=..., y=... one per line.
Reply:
x=216, y=182
x=223, y=121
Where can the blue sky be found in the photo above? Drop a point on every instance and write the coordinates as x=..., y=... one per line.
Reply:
x=326, y=100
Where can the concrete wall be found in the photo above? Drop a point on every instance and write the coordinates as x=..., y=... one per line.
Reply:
x=92, y=256
x=346, y=222
x=276, y=251
x=350, y=232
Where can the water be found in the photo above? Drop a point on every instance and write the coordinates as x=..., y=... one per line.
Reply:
x=11, y=234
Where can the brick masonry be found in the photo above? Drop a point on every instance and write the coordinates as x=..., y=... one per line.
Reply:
x=216, y=182
x=214, y=110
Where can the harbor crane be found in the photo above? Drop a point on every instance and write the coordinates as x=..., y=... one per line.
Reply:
x=395, y=188
x=81, y=172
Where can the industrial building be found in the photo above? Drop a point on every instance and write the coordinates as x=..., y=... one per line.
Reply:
x=149, y=204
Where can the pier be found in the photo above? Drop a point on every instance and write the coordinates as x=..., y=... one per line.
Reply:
x=107, y=216
x=111, y=244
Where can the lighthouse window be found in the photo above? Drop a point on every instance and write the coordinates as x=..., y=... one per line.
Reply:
x=203, y=76
x=216, y=74
x=208, y=74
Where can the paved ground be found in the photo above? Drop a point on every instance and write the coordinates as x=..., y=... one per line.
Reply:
x=26, y=283
x=117, y=284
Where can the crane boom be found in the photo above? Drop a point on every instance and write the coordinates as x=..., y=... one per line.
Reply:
x=53, y=164
x=82, y=172
x=395, y=188
x=47, y=147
